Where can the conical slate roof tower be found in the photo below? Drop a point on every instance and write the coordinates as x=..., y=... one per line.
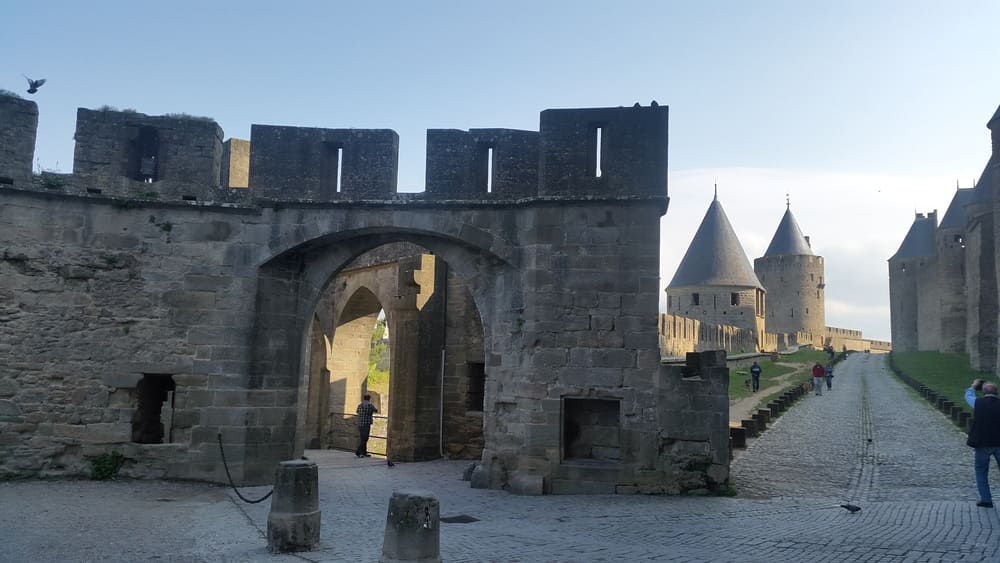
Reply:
x=715, y=256
x=714, y=282
x=792, y=275
x=914, y=313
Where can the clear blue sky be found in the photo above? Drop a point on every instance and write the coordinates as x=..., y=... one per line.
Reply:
x=895, y=93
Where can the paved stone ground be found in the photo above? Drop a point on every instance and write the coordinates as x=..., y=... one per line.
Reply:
x=913, y=480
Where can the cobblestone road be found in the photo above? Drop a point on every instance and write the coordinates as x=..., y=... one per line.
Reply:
x=868, y=441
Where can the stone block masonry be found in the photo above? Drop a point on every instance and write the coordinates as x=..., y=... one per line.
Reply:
x=17, y=139
x=145, y=296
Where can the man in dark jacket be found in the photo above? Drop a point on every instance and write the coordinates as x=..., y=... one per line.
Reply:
x=984, y=435
x=366, y=414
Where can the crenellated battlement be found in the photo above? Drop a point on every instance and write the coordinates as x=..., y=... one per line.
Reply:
x=602, y=153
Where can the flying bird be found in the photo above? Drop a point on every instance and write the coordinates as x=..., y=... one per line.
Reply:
x=34, y=85
x=850, y=508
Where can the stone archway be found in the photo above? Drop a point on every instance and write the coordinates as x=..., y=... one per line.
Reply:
x=292, y=285
x=349, y=368
x=437, y=357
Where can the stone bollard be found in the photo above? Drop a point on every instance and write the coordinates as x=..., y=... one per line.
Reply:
x=765, y=415
x=761, y=422
x=774, y=407
x=412, y=528
x=955, y=411
x=750, y=425
x=963, y=419
x=293, y=523
x=737, y=437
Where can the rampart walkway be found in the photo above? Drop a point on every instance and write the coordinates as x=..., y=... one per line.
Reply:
x=913, y=480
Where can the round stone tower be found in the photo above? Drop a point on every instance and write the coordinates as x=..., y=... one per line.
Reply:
x=793, y=277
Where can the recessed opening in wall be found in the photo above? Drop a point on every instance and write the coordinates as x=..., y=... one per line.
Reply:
x=189, y=198
x=331, y=168
x=483, y=168
x=95, y=191
x=476, y=394
x=6, y=180
x=153, y=418
x=695, y=299
x=592, y=429
x=734, y=299
x=597, y=151
x=143, y=152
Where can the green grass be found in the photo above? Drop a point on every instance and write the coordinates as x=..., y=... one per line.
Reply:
x=768, y=373
x=806, y=357
x=947, y=374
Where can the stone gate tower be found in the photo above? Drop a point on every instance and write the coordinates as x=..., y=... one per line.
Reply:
x=793, y=277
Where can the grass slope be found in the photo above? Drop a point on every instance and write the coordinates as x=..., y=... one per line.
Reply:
x=948, y=374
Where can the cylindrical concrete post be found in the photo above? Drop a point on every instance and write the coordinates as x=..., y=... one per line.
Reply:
x=412, y=528
x=293, y=523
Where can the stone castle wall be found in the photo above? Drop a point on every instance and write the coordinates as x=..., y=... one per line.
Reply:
x=680, y=335
x=17, y=140
x=738, y=307
x=950, y=247
x=121, y=293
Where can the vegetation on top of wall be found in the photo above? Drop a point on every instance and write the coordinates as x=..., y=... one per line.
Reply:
x=106, y=107
x=188, y=116
x=947, y=374
x=10, y=94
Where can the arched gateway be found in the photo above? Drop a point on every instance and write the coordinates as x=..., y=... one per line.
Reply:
x=214, y=296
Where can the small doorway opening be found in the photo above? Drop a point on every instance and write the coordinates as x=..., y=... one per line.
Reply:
x=153, y=418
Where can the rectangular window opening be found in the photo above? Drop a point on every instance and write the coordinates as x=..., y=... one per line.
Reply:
x=591, y=429
x=476, y=394
x=734, y=299
x=695, y=299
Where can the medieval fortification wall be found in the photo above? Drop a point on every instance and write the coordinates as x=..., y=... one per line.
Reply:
x=149, y=291
x=943, y=279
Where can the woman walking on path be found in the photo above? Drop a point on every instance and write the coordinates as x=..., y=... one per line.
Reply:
x=828, y=372
x=819, y=374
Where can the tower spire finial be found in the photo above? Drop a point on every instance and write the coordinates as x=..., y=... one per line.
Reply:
x=788, y=202
x=715, y=197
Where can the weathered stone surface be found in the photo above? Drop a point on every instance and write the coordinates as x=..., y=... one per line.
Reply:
x=412, y=528
x=293, y=524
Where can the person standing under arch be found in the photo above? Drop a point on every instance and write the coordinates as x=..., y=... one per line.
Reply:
x=366, y=416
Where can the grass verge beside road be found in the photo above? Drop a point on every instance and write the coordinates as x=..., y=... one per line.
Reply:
x=947, y=374
x=772, y=373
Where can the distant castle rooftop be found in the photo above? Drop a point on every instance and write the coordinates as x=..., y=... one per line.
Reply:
x=788, y=239
x=715, y=256
x=919, y=240
x=955, y=217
